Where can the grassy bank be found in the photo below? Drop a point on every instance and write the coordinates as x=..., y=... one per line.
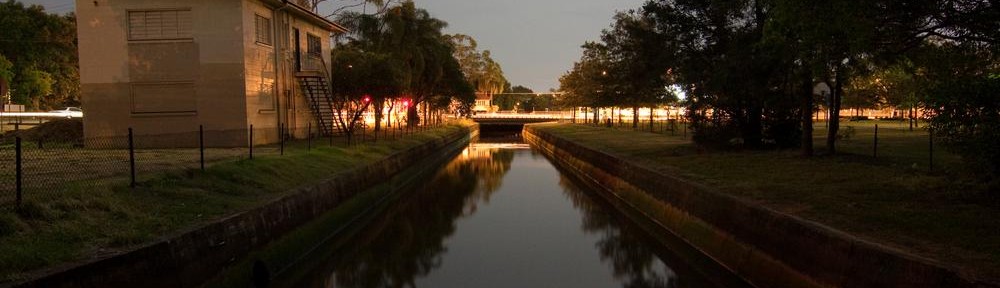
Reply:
x=89, y=222
x=887, y=200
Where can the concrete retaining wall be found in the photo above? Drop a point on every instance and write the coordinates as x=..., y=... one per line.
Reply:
x=192, y=257
x=766, y=247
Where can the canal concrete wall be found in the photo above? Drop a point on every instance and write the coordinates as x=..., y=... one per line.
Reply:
x=766, y=247
x=192, y=257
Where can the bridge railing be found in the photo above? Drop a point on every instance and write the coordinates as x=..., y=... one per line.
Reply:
x=533, y=115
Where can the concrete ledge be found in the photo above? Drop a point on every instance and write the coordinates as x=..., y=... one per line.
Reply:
x=192, y=257
x=766, y=247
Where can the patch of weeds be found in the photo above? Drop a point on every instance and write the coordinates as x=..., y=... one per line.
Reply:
x=126, y=237
x=846, y=133
x=9, y=224
x=121, y=214
x=32, y=210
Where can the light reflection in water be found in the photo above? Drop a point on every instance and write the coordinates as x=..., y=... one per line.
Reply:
x=500, y=215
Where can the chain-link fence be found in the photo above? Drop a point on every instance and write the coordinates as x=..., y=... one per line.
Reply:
x=43, y=169
x=888, y=141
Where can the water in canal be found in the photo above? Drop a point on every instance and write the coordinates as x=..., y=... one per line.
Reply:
x=501, y=215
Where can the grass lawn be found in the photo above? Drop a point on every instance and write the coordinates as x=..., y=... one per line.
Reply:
x=86, y=221
x=887, y=200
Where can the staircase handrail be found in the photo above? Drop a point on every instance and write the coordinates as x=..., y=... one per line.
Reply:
x=329, y=82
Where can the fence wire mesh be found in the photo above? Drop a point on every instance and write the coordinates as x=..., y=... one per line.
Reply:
x=49, y=168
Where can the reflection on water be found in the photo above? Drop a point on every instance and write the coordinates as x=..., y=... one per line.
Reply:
x=500, y=215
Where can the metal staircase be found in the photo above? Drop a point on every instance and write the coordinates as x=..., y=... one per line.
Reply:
x=317, y=91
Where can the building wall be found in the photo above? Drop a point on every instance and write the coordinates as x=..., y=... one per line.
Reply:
x=299, y=114
x=261, y=69
x=273, y=93
x=163, y=86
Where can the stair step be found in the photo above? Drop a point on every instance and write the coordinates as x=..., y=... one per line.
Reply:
x=317, y=91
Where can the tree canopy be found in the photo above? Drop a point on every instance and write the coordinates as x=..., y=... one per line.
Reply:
x=41, y=48
x=485, y=74
x=410, y=40
x=748, y=67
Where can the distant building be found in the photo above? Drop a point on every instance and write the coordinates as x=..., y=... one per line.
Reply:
x=166, y=67
x=484, y=103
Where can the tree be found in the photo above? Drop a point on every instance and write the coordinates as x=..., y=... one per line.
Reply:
x=413, y=38
x=957, y=83
x=967, y=116
x=6, y=74
x=638, y=67
x=871, y=33
x=33, y=86
x=480, y=70
x=34, y=41
x=358, y=76
x=739, y=89
x=479, y=67
x=588, y=84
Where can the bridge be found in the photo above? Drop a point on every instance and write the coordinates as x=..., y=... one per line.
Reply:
x=509, y=124
x=510, y=118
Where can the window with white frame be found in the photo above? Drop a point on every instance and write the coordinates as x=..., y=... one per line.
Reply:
x=160, y=24
x=262, y=30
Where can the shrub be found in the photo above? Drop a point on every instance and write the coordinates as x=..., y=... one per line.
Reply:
x=845, y=133
x=9, y=224
x=967, y=117
x=35, y=211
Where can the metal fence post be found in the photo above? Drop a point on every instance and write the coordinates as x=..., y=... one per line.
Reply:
x=201, y=145
x=131, y=157
x=875, y=146
x=17, y=169
x=251, y=141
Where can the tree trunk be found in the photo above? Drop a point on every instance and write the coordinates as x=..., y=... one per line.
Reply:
x=755, y=128
x=379, y=104
x=807, y=120
x=911, y=117
x=597, y=121
x=838, y=90
x=651, y=119
x=412, y=115
x=635, y=117
x=388, y=118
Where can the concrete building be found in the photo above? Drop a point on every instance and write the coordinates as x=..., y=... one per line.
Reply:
x=166, y=67
x=484, y=103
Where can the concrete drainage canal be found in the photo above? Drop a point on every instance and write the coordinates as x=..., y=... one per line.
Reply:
x=497, y=214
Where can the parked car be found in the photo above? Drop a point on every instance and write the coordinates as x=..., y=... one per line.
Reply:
x=69, y=112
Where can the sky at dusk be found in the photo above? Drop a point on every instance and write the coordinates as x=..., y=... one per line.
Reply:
x=535, y=41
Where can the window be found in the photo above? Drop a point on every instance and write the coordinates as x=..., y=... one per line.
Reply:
x=315, y=48
x=263, y=30
x=159, y=24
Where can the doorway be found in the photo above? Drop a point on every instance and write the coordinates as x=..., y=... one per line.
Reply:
x=298, y=49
